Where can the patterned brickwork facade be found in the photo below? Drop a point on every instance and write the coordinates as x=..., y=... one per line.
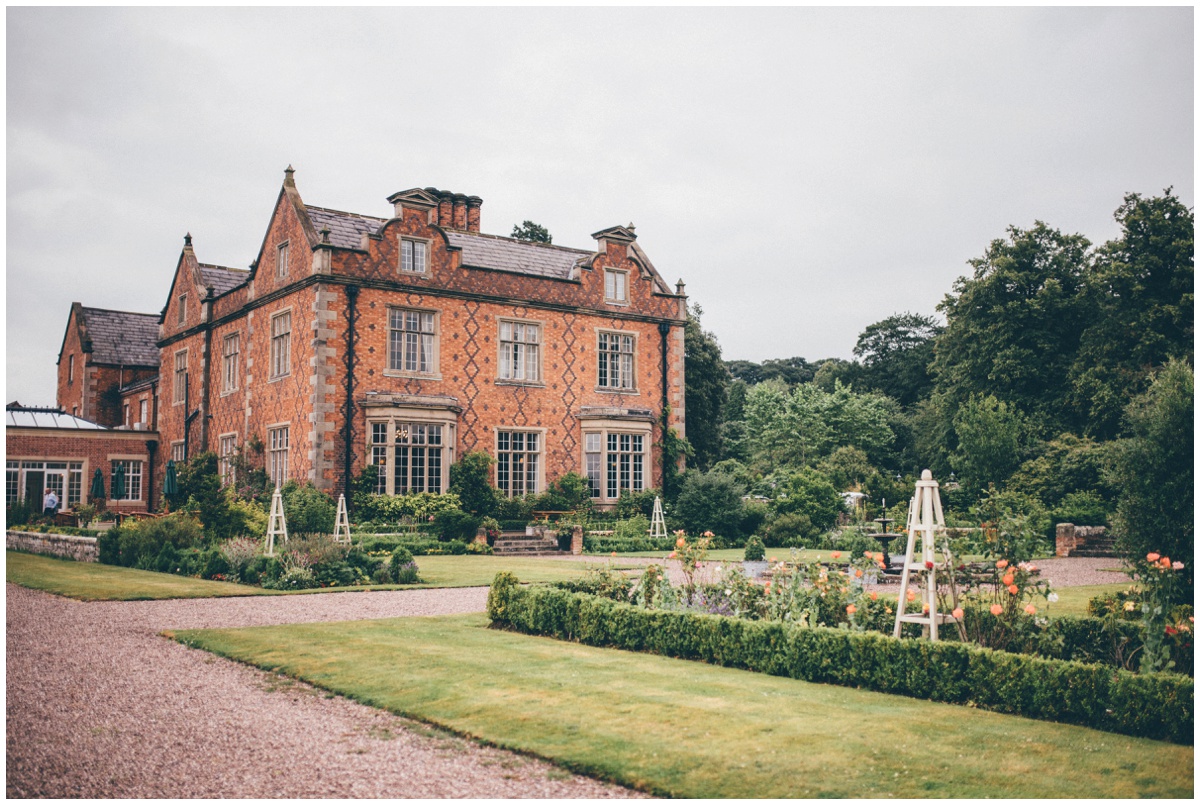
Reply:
x=241, y=391
x=90, y=389
x=95, y=449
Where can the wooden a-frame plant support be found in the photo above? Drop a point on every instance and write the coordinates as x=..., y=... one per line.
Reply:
x=277, y=525
x=658, y=525
x=341, y=526
x=924, y=519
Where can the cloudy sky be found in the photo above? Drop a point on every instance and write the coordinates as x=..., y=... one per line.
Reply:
x=805, y=171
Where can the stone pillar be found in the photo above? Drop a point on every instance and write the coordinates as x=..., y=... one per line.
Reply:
x=576, y=540
x=481, y=535
x=1064, y=539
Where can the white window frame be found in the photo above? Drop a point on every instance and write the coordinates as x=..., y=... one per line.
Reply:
x=393, y=444
x=64, y=476
x=281, y=345
x=414, y=253
x=626, y=361
x=408, y=346
x=608, y=475
x=133, y=478
x=230, y=362
x=616, y=286
x=179, y=377
x=226, y=453
x=279, y=446
x=126, y=411
x=144, y=410
x=177, y=451
x=281, y=260
x=519, y=357
x=514, y=457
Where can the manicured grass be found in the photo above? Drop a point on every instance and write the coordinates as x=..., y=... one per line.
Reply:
x=688, y=729
x=89, y=581
x=1073, y=601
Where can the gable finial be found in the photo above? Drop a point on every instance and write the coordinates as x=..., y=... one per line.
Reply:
x=187, y=240
x=631, y=227
x=289, y=178
x=324, y=234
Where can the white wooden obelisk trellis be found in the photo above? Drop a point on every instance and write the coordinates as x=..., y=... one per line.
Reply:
x=658, y=525
x=924, y=519
x=341, y=526
x=277, y=525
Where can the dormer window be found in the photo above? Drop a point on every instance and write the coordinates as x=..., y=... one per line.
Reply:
x=183, y=309
x=615, y=289
x=281, y=260
x=412, y=256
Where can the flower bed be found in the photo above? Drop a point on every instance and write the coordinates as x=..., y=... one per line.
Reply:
x=1153, y=705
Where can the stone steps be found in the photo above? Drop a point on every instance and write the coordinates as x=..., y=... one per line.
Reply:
x=520, y=544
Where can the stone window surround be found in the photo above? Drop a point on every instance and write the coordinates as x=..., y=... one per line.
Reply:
x=286, y=340
x=226, y=376
x=435, y=360
x=178, y=387
x=541, y=344
x=272, y=452
x=281, y=260
x=225, y=467
x=633, y=375
x=616, y=425
x=374, y=413
x=424, y=272
x=615, y=300
x=541, y=453
x=130, y=457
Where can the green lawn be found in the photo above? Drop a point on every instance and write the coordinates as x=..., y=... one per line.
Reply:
x=687, y=729
x=88, y=581
x=1073, y=601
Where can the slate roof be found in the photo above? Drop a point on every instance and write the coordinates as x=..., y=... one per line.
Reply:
x=121, y=338
x=345, y=228
x=46, y=418
x=478, y=250
x=505, y=254
x=222, y=279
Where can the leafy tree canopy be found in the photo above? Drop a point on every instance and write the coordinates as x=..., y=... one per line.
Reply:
x=896, y=353
x=706, y=383
x=531, y=232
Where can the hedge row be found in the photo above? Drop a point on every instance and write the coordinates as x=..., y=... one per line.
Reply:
x=595, y=544
x=1159, y=706
x=417, y=546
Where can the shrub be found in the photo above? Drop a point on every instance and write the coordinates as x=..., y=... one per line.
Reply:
x=710, y=501
x=1081, y=508
x=480, y=548
x=140, y=543
x=600, y=580
x=21, y=512
x=214, y=564
x=294, y=578
x=631, y=504
x=595, y=544
x=515, y=510
x=1158, y=706
x=637, y=527
x=755, y=550
x=308, y=509
x=569, y=492
x=809, y=493
x=790, y=531
x=469, y=480
x=454, y=524
x=754, y=515
x=404, y=569
x=418, y=507
x=239, y=554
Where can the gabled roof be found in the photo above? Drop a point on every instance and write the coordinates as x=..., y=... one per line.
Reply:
x=121, y=338
x=222, y=279
x=507, y=254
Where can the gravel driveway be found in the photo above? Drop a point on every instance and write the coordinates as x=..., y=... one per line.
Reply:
x=100, y=706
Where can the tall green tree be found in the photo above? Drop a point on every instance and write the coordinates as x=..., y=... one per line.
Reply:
x=992, y=435
x=706, y=384
x=1154, y=469
x=1142, y=302
x=1013, y=328
x=896, y=353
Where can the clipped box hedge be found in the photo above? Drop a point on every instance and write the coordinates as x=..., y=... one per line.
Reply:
x=603, y=544
x=1159, y=706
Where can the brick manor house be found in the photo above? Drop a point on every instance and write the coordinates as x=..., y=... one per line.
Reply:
x=402, y=342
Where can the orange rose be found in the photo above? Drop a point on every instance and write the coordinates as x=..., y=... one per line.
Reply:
x=1165, y=561
x=1007, y=580
x=1003, y=563
x=874, y=596
x=1151, y=557
x=911, y=596
x=997, y=609
x=924, y=608
x=836, y=555
x=867, y=554
x=857, y=573
x=1012, y=588
x=1030, y=610
x=850, y=610
x=958, y=613
x=679, y=543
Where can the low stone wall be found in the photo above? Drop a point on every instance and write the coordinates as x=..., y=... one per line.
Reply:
x=1068, y=537
x=81, y=549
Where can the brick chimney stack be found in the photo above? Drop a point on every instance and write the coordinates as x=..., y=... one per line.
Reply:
x=460, y=211
x=473, y=205
x=456, y=210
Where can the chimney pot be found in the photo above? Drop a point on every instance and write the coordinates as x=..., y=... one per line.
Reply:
x=473, y=205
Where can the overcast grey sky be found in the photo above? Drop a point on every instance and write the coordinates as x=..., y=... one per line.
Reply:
x=805, y=171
